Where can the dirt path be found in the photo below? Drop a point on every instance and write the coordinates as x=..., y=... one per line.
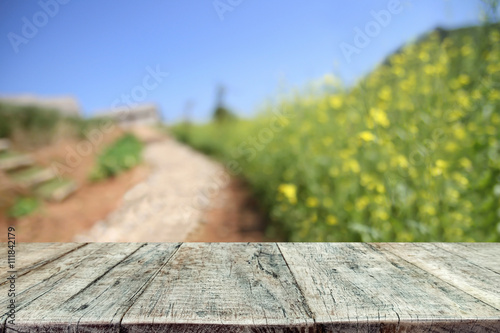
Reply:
x=186, y=197
x=234, y=216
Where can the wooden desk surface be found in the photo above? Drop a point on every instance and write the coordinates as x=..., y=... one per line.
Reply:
x=253, y=287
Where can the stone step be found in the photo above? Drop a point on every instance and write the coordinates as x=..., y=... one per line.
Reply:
x=56, y=190
x=11, y=160
x=4, y=144
x=32, y=176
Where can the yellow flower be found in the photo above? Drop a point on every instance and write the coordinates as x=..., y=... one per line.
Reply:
x=424, y=56
x=289, y=191
x=455, y=115
x=452, y=194
x=380, y=188
x=331, y=220
x=459, y=132
x=495, y=119
x=352, y=165
x=381, y=214
x=404, y=237
x=463, y=79
x=336, y=101
x=400, y=161
x=463, y=99
x=465, y=163
x=380, y=117
x=334, y=171
x=494, y=95
x=429, y=69
x=399, y=71
x=493, y=68
x=428, y=209
x=367, y=136
x=451, y=146
x=385, y=94
x=362, y=202
x=439, y=168
x=312, y=202
x=466, y=50
x=461, y=179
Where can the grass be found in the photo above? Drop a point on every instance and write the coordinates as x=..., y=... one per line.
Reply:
x=122, y=155
x=410, y=153
x=23, y=206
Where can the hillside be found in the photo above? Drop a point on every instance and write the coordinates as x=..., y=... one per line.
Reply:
x=410, y=153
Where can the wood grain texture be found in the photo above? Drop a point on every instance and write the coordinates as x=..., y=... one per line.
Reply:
x=99, y=305
x=255, y=287
x=353, y=287
x=58, y=281
x=221, y=287
x=484, y=255
x=29, y=256
x=465, y=271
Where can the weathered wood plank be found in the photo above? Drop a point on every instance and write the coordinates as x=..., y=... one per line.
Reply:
x=221, y=287
x=59, y=280
x=354, y=287
x=29, y=256
x=486, y=255
x=257, y=287
x=458, y=271
x=100, y=305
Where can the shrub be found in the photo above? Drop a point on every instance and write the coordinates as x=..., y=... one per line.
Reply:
x=121, y=155
x=410, y=153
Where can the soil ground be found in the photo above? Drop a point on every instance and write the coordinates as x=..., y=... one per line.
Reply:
x=60, y=222
x=231, y=216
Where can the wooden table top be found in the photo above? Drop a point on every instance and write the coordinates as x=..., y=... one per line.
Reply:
x=252, y=287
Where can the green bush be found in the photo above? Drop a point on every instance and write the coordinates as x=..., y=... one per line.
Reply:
x=123, y=154
x=23, y=207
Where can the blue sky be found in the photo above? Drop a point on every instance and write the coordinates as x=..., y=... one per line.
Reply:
x=98, y=50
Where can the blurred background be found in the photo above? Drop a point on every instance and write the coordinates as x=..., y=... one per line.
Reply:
x=250, y=121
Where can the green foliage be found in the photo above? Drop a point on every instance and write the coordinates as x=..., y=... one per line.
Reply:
x=223, y=114
x=23, y=207
x=26, y=118
x=123, y=154
x=35, y=126
x=411, y=153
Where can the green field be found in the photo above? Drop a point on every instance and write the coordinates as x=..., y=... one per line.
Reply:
x=409, y=153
